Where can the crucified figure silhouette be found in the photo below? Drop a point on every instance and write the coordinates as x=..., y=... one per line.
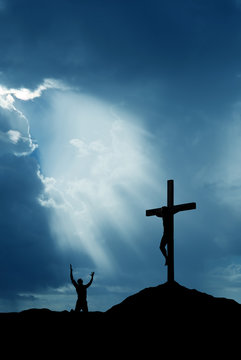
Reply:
x=167, y=213
x=164, y=240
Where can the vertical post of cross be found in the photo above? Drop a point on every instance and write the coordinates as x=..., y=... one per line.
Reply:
x=168, y=224
x=170, y=244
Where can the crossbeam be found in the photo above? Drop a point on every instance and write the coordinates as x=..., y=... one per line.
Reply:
x=174, y=209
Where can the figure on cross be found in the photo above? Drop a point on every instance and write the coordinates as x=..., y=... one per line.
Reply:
x=167, y=214
x=164, y=240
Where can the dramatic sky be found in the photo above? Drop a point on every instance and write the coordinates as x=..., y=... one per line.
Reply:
x=102, y=101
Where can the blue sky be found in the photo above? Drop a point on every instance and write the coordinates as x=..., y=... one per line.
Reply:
x=100, y=103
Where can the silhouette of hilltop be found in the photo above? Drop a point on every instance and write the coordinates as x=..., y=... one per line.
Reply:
x=177, y=308
x=171, y=319
x=172, y=298
x=149, y=320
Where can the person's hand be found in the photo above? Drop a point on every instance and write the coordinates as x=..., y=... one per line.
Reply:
x=71, y=267
x=92, y=274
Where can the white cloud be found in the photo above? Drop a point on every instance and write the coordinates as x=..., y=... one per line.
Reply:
x=81, y=146
x=14, y=136
x=85, y=149
x=6, y=100
x=20, y=135
x=26, y=94
x=13, y=142
x=8, y=96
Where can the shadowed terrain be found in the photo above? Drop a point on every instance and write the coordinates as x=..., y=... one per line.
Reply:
x=157, y=318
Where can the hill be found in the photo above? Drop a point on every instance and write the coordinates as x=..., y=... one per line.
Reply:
x=171, y=300
x=152, y=319
x=179, y=310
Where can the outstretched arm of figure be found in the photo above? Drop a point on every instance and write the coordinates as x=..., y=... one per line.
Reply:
x=90, y=282
x=155, y=212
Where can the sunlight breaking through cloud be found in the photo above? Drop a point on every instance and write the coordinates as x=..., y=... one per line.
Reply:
x=94, y=166
x=97, y=180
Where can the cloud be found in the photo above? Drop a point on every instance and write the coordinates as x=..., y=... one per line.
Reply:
x=14, y=136
x=18, y=140
x=13, y=143
x=7, y=95
x=28, y=248
x=222, y=173
x=85, y=149
x=26, y=94
x=28, y=252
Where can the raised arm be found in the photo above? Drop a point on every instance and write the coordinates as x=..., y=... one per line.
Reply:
x=90, y=282
x=71, y=276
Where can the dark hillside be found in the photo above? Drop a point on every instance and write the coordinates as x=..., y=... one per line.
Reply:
x=165, y=317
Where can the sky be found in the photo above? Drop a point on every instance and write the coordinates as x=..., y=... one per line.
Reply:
x=101, y=102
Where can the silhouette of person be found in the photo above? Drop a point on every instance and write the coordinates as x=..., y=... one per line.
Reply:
x=164, y=240
x=81, y=289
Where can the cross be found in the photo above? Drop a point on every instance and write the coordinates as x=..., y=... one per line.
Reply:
x=172, y=210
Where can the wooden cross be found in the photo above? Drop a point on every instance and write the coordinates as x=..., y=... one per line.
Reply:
x=172, y=210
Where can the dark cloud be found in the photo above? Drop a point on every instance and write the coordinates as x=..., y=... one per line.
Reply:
x=90, y=42
x=29, y=259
